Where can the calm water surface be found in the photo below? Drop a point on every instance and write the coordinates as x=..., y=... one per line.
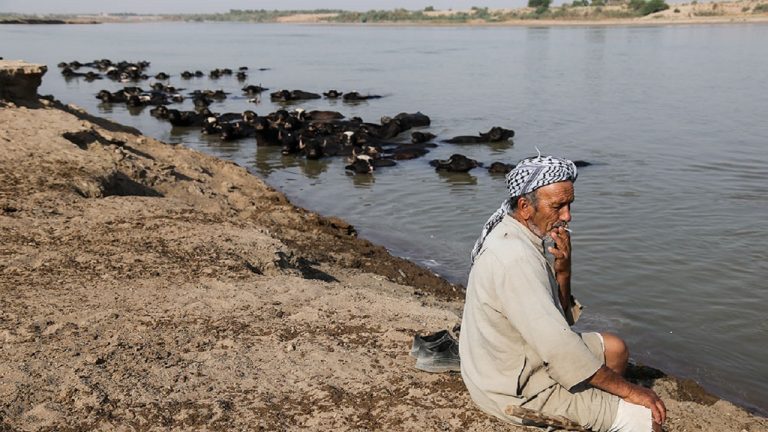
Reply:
x=669, y=222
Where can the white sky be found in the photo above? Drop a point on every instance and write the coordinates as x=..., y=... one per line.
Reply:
x=210, y=6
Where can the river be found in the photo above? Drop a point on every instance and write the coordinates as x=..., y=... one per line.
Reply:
x=667, y=224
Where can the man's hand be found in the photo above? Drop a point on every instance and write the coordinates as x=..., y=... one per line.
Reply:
x=562, y=252
x=646, y=397
x=608, y=380
x=562, y=267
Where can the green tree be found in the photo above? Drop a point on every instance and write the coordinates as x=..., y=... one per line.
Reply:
x=653, y=6
x=541, y=6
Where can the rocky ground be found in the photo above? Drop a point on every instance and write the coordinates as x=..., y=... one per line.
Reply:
x=150, y=287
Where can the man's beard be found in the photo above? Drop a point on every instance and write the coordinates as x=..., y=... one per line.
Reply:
x=534, y=229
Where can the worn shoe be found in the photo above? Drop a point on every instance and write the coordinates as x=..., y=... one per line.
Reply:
x=442, y=358
x=422, y=344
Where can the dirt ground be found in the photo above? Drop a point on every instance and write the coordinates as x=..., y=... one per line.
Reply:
x=146, y=286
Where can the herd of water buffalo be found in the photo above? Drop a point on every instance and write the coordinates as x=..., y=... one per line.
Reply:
x=313, y=134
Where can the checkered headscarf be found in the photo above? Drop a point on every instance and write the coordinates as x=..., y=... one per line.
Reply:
x=527, y=176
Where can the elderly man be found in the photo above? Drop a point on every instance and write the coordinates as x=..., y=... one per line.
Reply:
x=520, y=360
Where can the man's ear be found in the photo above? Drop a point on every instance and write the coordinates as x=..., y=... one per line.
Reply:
x=524, y=208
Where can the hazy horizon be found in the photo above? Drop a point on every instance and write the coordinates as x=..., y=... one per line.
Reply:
x=202, y=6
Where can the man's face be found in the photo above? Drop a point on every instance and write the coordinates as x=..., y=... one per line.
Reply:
x=553, y=205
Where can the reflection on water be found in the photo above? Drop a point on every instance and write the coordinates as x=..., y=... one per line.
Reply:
x=457, y=179
x=136, y=110
x=666, y=224
x=361, y=181
x=500, y=147
x=312, y=168
x=105, y=108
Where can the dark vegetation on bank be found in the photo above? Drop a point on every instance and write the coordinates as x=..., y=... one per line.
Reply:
x=259, y=16
x=539, y=9
x=31, y=19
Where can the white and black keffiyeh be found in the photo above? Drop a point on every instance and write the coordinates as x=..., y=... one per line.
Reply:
x=527, y=176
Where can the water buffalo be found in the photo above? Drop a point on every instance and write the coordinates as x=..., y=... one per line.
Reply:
x=236, y=130
x=496, y=134
x=332, y=94
x=422, y=137
x=190, y=75
x=201, y=101
x=252, y=90
x=317, y=115
x=364, y=164
x=389, y=128
x=290, y=141
x=416, y=119
x=215, y=123
x=218, y=73
x=406, y=152
x=144, y=99
x=500, y=168
x=188, y=118
x=116, y=97
x=160, y=112
x=456, y=163
x=218, y=95
x=361, y=165
x=293, y=95
x=68, y=72
x=355, y=96
x=322, y=146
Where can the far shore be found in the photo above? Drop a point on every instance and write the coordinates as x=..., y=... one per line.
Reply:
x=614, y=14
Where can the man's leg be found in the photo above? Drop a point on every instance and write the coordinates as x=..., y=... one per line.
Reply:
x=616, y=353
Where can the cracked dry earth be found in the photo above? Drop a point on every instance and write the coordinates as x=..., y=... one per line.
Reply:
x=149, y=287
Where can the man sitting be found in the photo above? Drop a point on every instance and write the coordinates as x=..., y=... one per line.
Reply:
x=519, y=356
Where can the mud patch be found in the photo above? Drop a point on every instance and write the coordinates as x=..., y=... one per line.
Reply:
x=689, y=390
x=84, y=138
x=119, y=184
x=641, y=374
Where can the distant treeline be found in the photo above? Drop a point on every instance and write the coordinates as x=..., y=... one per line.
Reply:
x=579, y=9
x=254, y=15
x=428, y=15
x=371, y=16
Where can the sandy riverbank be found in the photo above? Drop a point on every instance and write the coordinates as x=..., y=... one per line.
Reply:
x=150, y=287
x=678, y=13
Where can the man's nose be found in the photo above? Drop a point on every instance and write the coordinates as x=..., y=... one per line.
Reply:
x=565, y=213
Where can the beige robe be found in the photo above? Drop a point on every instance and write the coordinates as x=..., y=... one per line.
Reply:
x=516, y=346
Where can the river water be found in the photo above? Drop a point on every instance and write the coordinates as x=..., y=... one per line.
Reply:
x=668, y=227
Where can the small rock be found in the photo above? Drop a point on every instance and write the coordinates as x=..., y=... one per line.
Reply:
x=95, y=360
x=75, y=108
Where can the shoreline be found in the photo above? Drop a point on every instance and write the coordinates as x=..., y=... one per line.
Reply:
x=149, y=284
x=693, y=13
x=629, y=22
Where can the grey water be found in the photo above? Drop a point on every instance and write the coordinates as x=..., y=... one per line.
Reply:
x=669, y=222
